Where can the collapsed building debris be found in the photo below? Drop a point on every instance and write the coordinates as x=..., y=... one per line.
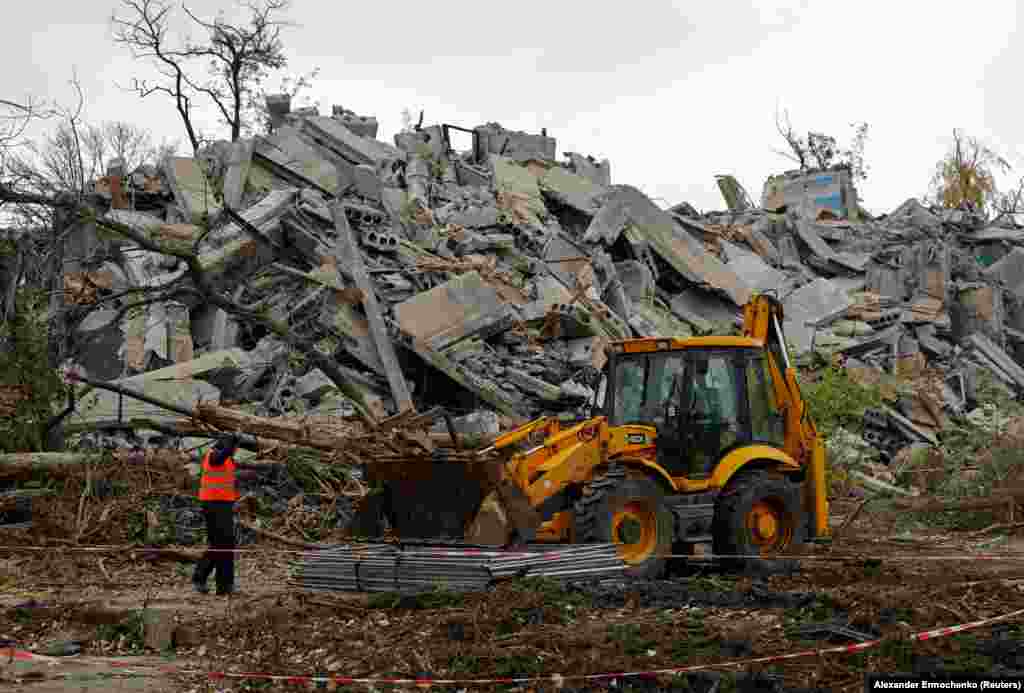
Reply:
x=493, y=278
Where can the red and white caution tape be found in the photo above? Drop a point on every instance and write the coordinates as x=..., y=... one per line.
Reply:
x=333, y=680
x=558, y=679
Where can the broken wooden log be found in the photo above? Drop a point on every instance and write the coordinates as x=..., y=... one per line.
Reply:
x=281, y=539
x=19, y=462
x=262, y=427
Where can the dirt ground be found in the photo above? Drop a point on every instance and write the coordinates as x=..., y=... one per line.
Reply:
x=877, y=578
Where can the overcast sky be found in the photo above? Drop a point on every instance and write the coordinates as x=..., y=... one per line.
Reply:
x=671, y=92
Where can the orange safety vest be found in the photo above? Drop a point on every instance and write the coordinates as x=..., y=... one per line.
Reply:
x=218, y=483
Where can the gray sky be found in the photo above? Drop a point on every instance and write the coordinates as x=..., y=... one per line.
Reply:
x=671, y=93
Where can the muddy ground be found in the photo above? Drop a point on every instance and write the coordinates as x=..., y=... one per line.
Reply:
x=882, y=577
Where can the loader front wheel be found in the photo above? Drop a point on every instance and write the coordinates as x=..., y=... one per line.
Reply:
x=631, y=512
x=758, y=514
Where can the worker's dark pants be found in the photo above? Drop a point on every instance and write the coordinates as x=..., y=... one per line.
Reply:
x=220, y=532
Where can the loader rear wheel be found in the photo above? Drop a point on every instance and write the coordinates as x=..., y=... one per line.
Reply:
x=758, y=514
x=631, y=512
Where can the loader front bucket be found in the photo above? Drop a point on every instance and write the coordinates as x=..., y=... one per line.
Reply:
x=452, y=500
x=505, y=517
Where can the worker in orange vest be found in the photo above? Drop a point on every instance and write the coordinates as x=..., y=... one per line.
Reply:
x=218, y=492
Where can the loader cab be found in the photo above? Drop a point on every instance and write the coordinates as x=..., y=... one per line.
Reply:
x=703, y=400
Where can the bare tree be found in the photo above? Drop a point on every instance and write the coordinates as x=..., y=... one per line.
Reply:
x=237, y=58
x=798, y=151
x=822, y=151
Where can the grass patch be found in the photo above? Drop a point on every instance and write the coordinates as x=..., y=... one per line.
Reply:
x=439, y=598
x=129, y=634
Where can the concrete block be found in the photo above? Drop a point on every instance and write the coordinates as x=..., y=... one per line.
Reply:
x=461, y=307
x=608, y=223
x=380, y=241
x=367, y=183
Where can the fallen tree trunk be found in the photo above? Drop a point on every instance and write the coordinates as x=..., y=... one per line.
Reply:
x=281, y=429
x=16, y=462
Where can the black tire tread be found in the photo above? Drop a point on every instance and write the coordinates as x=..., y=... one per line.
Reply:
x=587, y=519
x=728, y=509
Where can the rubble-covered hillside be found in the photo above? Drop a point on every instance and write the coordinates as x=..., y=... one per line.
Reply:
x=492, y=278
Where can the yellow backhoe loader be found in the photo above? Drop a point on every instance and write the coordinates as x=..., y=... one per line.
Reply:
x=698, y=440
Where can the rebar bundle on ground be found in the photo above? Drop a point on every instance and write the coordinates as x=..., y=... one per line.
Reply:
x=391, y=568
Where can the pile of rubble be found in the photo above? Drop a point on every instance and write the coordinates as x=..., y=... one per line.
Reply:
x=493, y=278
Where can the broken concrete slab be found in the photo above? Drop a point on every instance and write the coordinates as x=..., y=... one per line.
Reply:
x=290, y=155
x=346, y=250
x=519, y=146
x=809, y=306
x=1009, y=271
x=193, y=191
x=609, y=222
x=637, y=280
x=565, y=259
x=103, y=407
x=588, y=352
x=979, y=308
x=648, y=319
x=755, y=272
x=994, y=354
x=588, y=167
x=534, y=387
x=237, y=172
x=685, y=254
x=345, y=143
x=571, y=190
x=704, y=312
x=807, y=233
x=461, y=307
x=517, y=190
x=364, y=126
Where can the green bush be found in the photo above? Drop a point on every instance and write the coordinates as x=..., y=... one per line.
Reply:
x=835, y=400
x=23, y=349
